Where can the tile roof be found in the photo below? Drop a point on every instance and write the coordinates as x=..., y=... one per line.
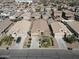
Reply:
x=20, y=27
x=74, y=25
x=40, y=25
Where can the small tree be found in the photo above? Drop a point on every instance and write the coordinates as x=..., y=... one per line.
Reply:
x=70, y=38
x=28, y=46
x=30, y=39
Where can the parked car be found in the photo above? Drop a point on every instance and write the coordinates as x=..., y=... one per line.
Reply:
x=18, y=40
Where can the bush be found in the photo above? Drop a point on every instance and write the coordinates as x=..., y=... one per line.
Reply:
x=39, y=46
x=7, y=40
x=70, y=39
x=39, y=39
x=46, y=41
x=39, y=42
x=28, y=46
x=30, y=38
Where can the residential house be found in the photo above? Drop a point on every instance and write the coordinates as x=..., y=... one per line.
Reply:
x=74, y=27
x=40, y=27
x=59, y=29
x=4, y=25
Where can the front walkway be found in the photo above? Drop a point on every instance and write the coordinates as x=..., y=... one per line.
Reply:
x=35, y=42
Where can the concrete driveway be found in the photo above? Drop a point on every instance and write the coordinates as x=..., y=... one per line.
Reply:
x=35, y=42
x=61, y=42
x=21, y=43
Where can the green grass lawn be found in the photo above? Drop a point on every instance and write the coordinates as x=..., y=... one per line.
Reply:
x=46, y=41
x=7, y=40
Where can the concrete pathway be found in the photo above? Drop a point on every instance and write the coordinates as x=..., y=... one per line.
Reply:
x=61, y=43
x=35, y=42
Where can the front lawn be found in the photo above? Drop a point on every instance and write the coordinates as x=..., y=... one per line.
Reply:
x=46, y=41
x=6, y=40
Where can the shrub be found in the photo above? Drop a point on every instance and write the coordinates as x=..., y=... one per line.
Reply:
x=39, y=39
x=28, y=46
x=7, y=40
x=30, y=38
x=46, y=41
x=70, y=39
x=39, y=46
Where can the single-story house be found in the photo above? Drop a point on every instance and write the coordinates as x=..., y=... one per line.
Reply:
x=26, y=15
x=74, y=27
x=20, y=29
x=4, y=25
x=59, y=29
x=40, y=27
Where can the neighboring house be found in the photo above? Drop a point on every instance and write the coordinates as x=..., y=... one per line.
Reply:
x=74, y=27
x=71, y=8
x=57, y=14
x=36, y=15
x=4, y=25
x=50, y=20
x=48, y=9
x=20, y=30
x=77, y=15
x=59, y=29
x=68, y=15
x=40, y=27
x=16, y=15
x=59, y=19
x=4, y=14
x=46, y=16
x=33, y=8
x=35, y=1
x=24, y=1
x=9, y=1
x=21, y=27
x=26, y=15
